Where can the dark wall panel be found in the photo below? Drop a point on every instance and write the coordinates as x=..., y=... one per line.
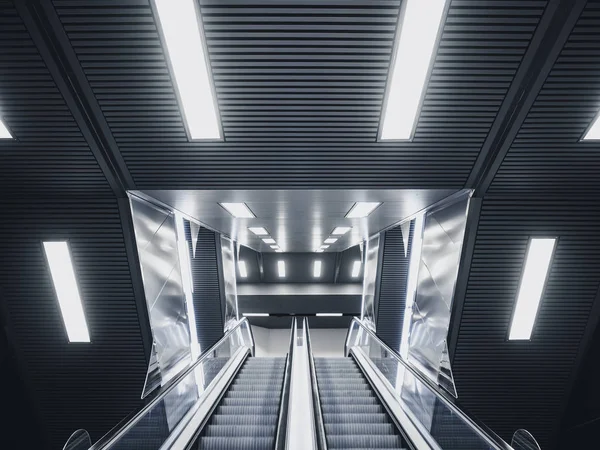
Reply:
x=392, y=292
x=511, y=385
x=207, y=294
x=91, y=386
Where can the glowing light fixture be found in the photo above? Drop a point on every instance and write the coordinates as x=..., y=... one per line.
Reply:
x=275, y=247
x=324, y=246
x=593, y=134
x=4, y=133
x=317, y=269
x=259, y=231
x=180, y=25
x=269, y=241
x=67, y=292
x=340, y=231
x=281, y=269
x=329, y=314
x=238, y=210
x=537, y=265
x=256, y=314
x=414, y=50
x=242, y=269
x=362, y=209
x=356, y=269
x=331, y=240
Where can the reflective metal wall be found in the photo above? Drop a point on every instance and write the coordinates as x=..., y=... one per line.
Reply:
x=442, y=240
x=156, y=240
x=371, y=261
x=228, y=258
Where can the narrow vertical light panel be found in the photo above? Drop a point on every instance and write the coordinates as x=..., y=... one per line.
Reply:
x=67, y=292
x=537, y=265
x=242, y=269
x=4, y=133
x=356, y=269
x=281, y=269
x=179, y=23
x=414, y=50
x=317, y=269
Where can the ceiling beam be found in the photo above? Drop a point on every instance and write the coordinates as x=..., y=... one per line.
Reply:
x=552, y=33
x=46, y=30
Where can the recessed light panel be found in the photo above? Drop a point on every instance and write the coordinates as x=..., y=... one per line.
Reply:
x=275, y=247
x=183, y=37
x=281, y=269
x=238, y=210
x=269, y=241
x=414, y=51
x=4, y=133
x=324, y=247
x=242, y=269
x=317, y=269
x=593, y=134
x=537, y=264
x=356, y=269
x=362, y=209
x=256, y=314
x=339, y=231
x=259, y=231
x=67, y=292
x=331, y=240
x=329, y=314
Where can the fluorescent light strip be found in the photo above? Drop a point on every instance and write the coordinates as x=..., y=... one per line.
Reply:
x=340, y=231
x=242, y=269
x=238, y=210
x=317, y=269
x=281, y=269
x=65, y=285
x=362, y=209
x=278, y=251
x=256, y=314
x=4, y=133
x=331, y=240
x=319, y=250
x=537, y=264
x=180, y=25
x=356, y=269
x=593, y=134
x=274, y=247
x=259, y=231
x=269, y=241
x=329, y=314
x=324, y=246
x=414, y=50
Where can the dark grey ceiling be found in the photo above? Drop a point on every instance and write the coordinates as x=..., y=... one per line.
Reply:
x=85, y=88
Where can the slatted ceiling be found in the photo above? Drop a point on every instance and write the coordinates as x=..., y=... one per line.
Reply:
x=49, y=153
x=525, y=383
x=90, y=386
x=546, y=156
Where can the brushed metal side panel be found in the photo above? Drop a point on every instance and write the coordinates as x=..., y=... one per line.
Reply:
x=367, y=314
x=442, y=241
x=228, y=260
x=156, y=239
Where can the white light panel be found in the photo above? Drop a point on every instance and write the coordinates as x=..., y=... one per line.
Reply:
x=269, y=241
x=319, y=250
x=362, y=209
x=339, y=231
x=281, y=269
x=418, y=33
x=317, y=269
x=238, y=210
x=331, y=240
x=180, y=26
x=242, y=268
x=537, y=264
x=256, y=314
x=4, y=133
x=356, y=269
x=593, y=134
x=278, y=251
x=275, y=247
x=259, y=231
x=329, y=314
x=324, y=246
x=65, y=285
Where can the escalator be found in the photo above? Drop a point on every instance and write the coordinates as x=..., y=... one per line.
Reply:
x=353, y=415
x=247, y=415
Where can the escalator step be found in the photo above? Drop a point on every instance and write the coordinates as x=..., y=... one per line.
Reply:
x=241, y=430
x=237, y=443
x=364, y=441
x=355, y=418
x=245, y=419
x=359, y=428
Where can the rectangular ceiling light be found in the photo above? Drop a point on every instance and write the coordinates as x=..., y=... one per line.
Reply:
x=259, y=231
x=593, y=134
x=183, y=37
x=275, y=247
x=324, y=246
x=537, y=264
x=238, y=210
x=356, y=269
x=414, y=50
x=242, y=269
x=362, y=209
x=281, y=269
x=4, y=133
x=317, y=269
x=331, y=240
x=256, y=314
x=329, y=314
x=278, y=251
x=65, y=285
x=339, y=231
x=320, y=250
x=268, y=240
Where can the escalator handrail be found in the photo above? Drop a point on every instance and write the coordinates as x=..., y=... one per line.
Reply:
x=318, y=413
x=285, y=394
x=489, y=435
x=128, y=422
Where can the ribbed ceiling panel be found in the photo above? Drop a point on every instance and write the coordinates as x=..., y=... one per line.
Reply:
x=91, y=386
x=49, y=153
x=546, y=155
x=511, y=385
x=300, y=87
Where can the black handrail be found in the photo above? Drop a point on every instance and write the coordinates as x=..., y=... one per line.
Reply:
x=451, y=403
x=318, y=413
x=285, y=394
x=129, y=421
